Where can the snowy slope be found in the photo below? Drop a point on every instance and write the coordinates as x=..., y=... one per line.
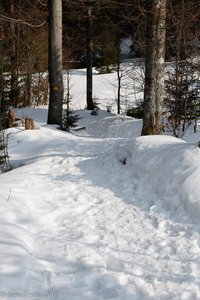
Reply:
x=78, y=223
x=100, y=213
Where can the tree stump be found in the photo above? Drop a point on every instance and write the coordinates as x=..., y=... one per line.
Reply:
x=29, y=124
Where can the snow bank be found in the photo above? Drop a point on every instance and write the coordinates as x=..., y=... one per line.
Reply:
x=115, y=127
x=170, y=166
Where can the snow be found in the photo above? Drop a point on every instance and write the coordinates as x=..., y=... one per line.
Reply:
x=99, y=213
x=105, y=87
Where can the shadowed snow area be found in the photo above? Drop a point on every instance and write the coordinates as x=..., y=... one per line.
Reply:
x=100, y=213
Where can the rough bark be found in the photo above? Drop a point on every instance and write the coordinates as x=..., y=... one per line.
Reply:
x=13, y=58
x=154, y=74
x=90, y=104
x=55, y=62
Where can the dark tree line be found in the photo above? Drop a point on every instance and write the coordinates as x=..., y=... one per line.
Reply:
x=24, y=44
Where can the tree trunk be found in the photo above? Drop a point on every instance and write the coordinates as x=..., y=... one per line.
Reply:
x=154, y=74
x=90, y=104
x=55, y=62
x=28, y=72
x=13, y=59
x=119, y=77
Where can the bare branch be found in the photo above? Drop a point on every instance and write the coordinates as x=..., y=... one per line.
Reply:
x=43, y=4
x=20, y=21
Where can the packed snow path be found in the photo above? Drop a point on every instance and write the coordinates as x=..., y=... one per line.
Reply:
x=77, y=224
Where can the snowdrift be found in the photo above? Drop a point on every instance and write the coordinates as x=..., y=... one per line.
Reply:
x=170, y=166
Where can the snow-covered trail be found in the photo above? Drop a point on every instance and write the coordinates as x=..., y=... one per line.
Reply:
x=79, y=225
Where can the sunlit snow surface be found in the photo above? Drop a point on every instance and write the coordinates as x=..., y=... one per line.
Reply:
x=99, y=213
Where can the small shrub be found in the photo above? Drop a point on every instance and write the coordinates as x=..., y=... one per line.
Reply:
x=96, y=108
x=136, y=112
x=69, y=120
x=94, y=112
x=4, y=158
x=106, y=69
